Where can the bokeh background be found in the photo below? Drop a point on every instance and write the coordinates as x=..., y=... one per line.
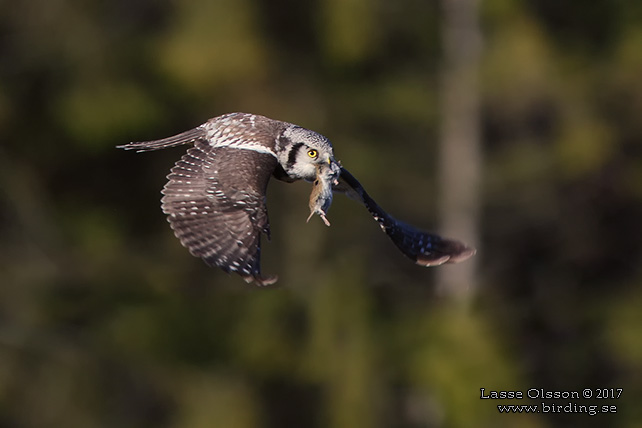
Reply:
x=515, y=125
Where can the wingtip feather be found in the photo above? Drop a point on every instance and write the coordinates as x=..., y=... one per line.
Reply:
x=261, y=281
x=449, y=252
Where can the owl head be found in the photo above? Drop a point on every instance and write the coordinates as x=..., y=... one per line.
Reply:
x=306, y=154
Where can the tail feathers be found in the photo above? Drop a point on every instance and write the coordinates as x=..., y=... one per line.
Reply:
x=426, y=249
x=176, y=140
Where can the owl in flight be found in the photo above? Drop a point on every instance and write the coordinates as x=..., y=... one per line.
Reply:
x=215, y=198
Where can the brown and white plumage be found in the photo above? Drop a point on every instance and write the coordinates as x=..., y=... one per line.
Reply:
x=215, y=198
x=215, y=202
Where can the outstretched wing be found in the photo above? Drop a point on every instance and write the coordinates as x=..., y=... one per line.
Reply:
x=215, y=202
x=425, y=249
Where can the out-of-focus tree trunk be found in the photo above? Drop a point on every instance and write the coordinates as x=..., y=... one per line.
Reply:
x=460, y=151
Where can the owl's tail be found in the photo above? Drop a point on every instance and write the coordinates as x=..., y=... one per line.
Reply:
x=425, y=249
x=176, y=140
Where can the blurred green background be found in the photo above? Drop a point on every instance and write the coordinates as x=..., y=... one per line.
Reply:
x=106, y=321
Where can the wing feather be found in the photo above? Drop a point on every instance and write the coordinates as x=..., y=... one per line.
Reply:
x=215, y=202
x=425, y=249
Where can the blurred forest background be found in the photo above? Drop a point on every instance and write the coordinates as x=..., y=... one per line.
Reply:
x=106, y=321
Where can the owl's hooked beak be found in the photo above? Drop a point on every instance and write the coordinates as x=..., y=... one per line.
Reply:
x=332, y=173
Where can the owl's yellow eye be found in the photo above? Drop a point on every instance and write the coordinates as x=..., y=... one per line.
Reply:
x=313, y=153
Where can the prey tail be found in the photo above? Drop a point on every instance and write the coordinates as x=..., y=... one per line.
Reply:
x=425, y=249
x=176, y=140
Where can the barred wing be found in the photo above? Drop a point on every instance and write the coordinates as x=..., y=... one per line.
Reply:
x=215, y=202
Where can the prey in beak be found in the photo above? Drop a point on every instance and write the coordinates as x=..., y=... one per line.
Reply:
x=321, y=196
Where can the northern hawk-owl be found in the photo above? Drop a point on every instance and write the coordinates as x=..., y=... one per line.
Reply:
x=215, y=198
